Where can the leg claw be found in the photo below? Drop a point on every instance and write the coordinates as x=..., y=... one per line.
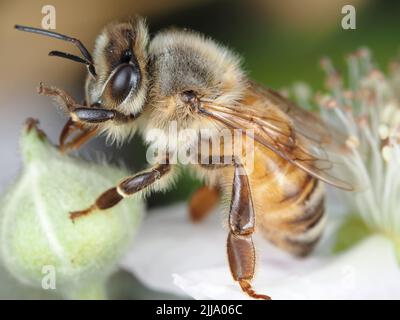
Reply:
x=246, y=287
x=78, y=214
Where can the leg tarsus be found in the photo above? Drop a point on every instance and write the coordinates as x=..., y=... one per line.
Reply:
x=247, y=288
x=68, y=128
x=76, y=142
x=126, y=188
x=241, y=257
x=79, y=214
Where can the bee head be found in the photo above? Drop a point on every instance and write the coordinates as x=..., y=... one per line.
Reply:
x=120, y=59
x=117, y=71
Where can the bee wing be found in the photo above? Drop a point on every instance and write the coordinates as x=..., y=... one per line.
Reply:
x=295, y=134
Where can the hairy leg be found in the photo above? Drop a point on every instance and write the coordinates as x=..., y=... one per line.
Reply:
x=240, y=246
x=84, y=135
x=126, y=188
x=83, y=118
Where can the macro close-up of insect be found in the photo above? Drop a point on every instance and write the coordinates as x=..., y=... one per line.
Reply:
x=137, y=84
x=208, y=156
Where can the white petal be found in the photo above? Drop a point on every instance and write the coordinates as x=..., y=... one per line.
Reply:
x=367, y=271
x=168, y=243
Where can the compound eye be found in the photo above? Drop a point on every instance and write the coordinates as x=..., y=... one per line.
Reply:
x=125, y=79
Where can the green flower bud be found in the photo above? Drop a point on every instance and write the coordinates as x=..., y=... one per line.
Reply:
x=37, y=235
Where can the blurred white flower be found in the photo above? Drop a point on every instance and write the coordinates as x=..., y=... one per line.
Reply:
x=174, y=255
x=368, y=110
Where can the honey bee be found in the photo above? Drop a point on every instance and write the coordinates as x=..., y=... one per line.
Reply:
x=136, y=84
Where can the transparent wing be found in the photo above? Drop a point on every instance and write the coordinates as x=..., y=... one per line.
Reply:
x=295, y=134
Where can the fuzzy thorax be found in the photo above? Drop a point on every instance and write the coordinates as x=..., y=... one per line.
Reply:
x=184, y=62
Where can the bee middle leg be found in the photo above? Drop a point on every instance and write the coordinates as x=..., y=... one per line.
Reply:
x=126, y=188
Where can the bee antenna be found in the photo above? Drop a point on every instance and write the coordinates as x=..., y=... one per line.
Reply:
x=68, y=56
x=86, y=54
x=73, y=57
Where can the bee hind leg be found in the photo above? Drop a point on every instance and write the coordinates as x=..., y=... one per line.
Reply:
x=240, y=246
x=241, y=256
x=202, y=202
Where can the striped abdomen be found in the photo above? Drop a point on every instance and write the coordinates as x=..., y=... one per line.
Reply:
x=289, y=203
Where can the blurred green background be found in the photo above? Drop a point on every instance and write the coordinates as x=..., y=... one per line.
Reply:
x=281, y=43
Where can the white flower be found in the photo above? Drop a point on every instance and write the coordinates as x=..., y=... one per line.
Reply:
x=369, y=112
x=174, y=255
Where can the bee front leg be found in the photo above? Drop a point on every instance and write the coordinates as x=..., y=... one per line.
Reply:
x=85, y=134
x=69, y=104
x=80, y=113
x=84, y=118
x=126, y=188
x=240, y=247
